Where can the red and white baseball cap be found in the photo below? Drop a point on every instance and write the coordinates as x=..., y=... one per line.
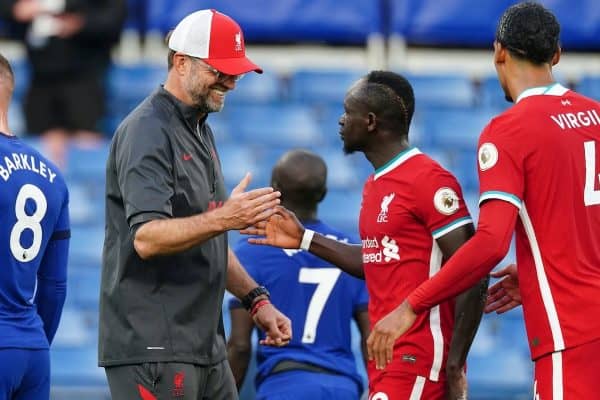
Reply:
x=216, y=39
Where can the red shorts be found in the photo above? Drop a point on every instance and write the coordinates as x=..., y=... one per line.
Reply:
x=406, y=387
x=570, y=374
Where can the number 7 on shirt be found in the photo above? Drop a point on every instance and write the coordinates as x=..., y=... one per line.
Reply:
x=325, y=278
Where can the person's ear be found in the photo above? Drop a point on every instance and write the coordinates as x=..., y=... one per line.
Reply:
x=500, y=53
x=322, y=196
x=179, y=62
x=371, y=122
x=556, y=57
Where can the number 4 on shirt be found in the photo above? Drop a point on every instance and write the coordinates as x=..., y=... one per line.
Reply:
x=591, y=196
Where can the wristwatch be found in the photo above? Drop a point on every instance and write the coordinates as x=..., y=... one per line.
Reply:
x=248, y=299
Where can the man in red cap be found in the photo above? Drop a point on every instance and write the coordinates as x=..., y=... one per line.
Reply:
x=166, y=262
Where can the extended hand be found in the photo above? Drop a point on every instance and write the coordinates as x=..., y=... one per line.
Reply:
x=277, y=327
x=380, y=344
x=281, y=230
x=504, y=295
x=244, y=209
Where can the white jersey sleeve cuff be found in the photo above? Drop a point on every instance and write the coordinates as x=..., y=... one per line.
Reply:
x=438, y=233
x=511, y=198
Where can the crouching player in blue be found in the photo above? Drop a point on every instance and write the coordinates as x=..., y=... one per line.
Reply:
x=34, y=233
x=318, y=297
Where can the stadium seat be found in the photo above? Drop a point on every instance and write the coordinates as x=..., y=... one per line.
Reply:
x=341, y=209
x=128, y=85
x=351, y=21
x=590, y=86
x=22, y=73
x=87, y=162
x=496, y=369
x=451, y=91
x=86, y=244
x=322, y=87
x=456, y=129
x=72, y=330
x=471, y=23
x=136, y=16
x=257, y=88
x=86, y=207
x=84, y=287
x=491, y=94
x=236, y=161
x=76, y=366
x=16, y=118
x=282, y=125
x=343, y=172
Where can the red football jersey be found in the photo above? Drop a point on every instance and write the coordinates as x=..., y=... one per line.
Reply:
x=407, y=204
x=543, y=156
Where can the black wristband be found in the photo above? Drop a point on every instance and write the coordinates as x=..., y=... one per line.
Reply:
x=248, y=299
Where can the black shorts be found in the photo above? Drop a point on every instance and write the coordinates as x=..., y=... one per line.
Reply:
x=76, y=104
x=179, y=381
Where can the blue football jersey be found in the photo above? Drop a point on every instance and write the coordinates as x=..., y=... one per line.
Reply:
x=317, y=296
x=34, y=214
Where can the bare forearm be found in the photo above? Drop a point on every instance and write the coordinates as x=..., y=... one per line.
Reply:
x=239, y=345
x=238, y=361
x=348, y=257
x=468, y=312
x=239, y=283
x=173, y=235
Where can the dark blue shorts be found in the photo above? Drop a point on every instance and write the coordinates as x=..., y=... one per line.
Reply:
x=24, y=374
x=303, y=385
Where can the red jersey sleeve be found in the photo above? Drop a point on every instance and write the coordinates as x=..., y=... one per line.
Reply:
x=439, y=201
x=500, y=164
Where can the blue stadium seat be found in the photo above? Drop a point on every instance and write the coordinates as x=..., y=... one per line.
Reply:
x=286, y=20
x=220, y=125
x=22, y=73
x=472, y=201
x=281, y=125
x=86, y=204
x=317, y=86
x=328, y=117
x=76, y=366
x=87, y=163
x=86, y=244
x=456, y=129
x=465, y=168
x=129, y=85
x=590, y=86
x=73, y=330
x=236, y=160
x=462, y=22
x=16, y=119
x=496, y=368
x=163, y=15
x=492, y=95
x=452, y=91
x=84, y=287
x=341, y=209
x=136, y=15
x=257, y=88
x=343, y=172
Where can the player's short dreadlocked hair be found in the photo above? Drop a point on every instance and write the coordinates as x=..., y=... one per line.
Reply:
x=391, y=97
x=529, y=31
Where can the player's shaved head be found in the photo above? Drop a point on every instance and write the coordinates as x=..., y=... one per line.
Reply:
x=301, y=176
x=7, y=80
